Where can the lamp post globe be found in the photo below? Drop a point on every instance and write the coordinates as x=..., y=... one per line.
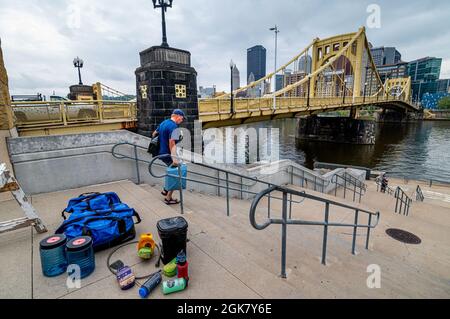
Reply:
x=78, y=63
x=163, y=4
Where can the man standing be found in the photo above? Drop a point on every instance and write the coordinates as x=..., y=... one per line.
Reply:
x=169, y=136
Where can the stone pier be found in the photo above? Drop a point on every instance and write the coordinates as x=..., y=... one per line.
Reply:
x=165, y=81
x=392, y=116
x=336, y=130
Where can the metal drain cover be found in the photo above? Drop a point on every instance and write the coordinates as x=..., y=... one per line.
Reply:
x=403, y=236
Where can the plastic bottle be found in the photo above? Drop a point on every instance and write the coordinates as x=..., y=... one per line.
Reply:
x=150, y=284
x=182, y=266
x=174, y=285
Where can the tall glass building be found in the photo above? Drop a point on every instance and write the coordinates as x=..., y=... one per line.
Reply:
x=256, y=62
x=425, y=69
x=385, y=56
x=424, y=75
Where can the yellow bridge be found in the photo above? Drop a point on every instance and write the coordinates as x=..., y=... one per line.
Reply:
x=332, y=74
x=341, y=75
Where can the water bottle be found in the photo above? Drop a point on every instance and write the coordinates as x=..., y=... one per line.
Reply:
x=53, y=255
x=80, y=251
x=174, y=285
x=150, y=284
x=182, y=265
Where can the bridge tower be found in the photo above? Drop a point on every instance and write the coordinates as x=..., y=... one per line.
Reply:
x=350, y=62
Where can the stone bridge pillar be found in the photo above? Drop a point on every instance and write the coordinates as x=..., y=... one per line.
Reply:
x=336, y=129
x=165, y=81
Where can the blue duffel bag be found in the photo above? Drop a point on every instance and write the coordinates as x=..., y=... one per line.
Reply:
x=101, y=216
x=172, y=180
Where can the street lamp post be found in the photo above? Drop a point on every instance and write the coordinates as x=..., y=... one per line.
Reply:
x=365, y=87
x=78, y=63
x=163, y=4
x=232, y=66
x=276, y=31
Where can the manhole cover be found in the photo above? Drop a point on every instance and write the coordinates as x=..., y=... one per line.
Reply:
x=403, y=236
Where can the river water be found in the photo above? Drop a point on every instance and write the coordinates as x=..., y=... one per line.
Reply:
x=415, y=151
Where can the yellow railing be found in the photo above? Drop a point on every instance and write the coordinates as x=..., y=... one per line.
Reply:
x=55, y=113
x=209, y=108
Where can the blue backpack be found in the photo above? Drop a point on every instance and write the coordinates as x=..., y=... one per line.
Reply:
x=101, y=216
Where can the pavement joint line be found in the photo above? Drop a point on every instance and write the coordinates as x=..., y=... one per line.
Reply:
x=218, y=263
x=32, y=263
x=90, y=284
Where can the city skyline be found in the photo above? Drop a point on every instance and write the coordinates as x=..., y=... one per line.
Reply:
x=111, y=52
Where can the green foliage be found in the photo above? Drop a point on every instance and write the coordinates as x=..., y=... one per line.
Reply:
x=444, y=103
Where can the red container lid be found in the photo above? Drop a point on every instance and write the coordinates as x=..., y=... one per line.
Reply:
x=53, y=241
x=79, y=243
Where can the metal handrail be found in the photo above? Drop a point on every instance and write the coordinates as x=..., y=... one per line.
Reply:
x=284, y=221
x=404, y=201
x=389, y=190
x=219, y=185
x=324, y=183
x=227, y=186
x=122, y=156
x=419, y=194
x=359, y=188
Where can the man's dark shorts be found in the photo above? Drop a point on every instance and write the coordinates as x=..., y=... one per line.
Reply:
x=167, y=160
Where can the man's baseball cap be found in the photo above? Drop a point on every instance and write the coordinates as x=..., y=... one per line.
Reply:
x=179, y=112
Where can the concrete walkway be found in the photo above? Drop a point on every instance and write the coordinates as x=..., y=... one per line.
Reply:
x=230, y=259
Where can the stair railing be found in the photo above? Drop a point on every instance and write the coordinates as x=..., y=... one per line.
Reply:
x=286, y=220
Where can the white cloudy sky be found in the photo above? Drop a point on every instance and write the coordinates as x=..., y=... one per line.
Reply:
x=41, y=38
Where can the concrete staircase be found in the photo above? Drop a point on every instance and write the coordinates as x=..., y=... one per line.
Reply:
x=230, y=259
x=254, y=256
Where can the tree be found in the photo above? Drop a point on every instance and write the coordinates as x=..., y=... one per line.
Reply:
x=444, y=103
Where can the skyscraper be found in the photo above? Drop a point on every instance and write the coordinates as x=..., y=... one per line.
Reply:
x=256, y=62
x=236, y=78
x=305, y=64
x=385, y=56
x=279, y=82
x=424, y=75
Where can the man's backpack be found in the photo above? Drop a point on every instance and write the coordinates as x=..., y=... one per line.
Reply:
x=153, y=147
x=101, y=216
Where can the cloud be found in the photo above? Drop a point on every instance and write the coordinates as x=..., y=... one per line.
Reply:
x=40, y=38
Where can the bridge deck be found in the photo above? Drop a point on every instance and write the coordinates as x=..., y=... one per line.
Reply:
x=219, y=110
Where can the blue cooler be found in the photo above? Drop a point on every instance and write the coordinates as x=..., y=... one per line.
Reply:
x=172, y=183
x=53, y=255
x=79, y=251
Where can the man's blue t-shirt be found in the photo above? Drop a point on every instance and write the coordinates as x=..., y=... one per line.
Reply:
x=166, y=132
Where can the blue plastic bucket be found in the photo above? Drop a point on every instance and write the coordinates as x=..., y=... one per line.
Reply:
x=172, y=182
x=79, y=251
x=53, y=255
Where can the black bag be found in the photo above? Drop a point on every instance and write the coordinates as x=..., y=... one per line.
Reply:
x=153, y=147
x=173, y=234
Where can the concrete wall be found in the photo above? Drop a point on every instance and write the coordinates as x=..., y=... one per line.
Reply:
x=53, y=163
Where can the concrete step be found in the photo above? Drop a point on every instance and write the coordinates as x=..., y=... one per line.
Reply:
x=248, y=272
x=240, y=237
x=263, y=247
